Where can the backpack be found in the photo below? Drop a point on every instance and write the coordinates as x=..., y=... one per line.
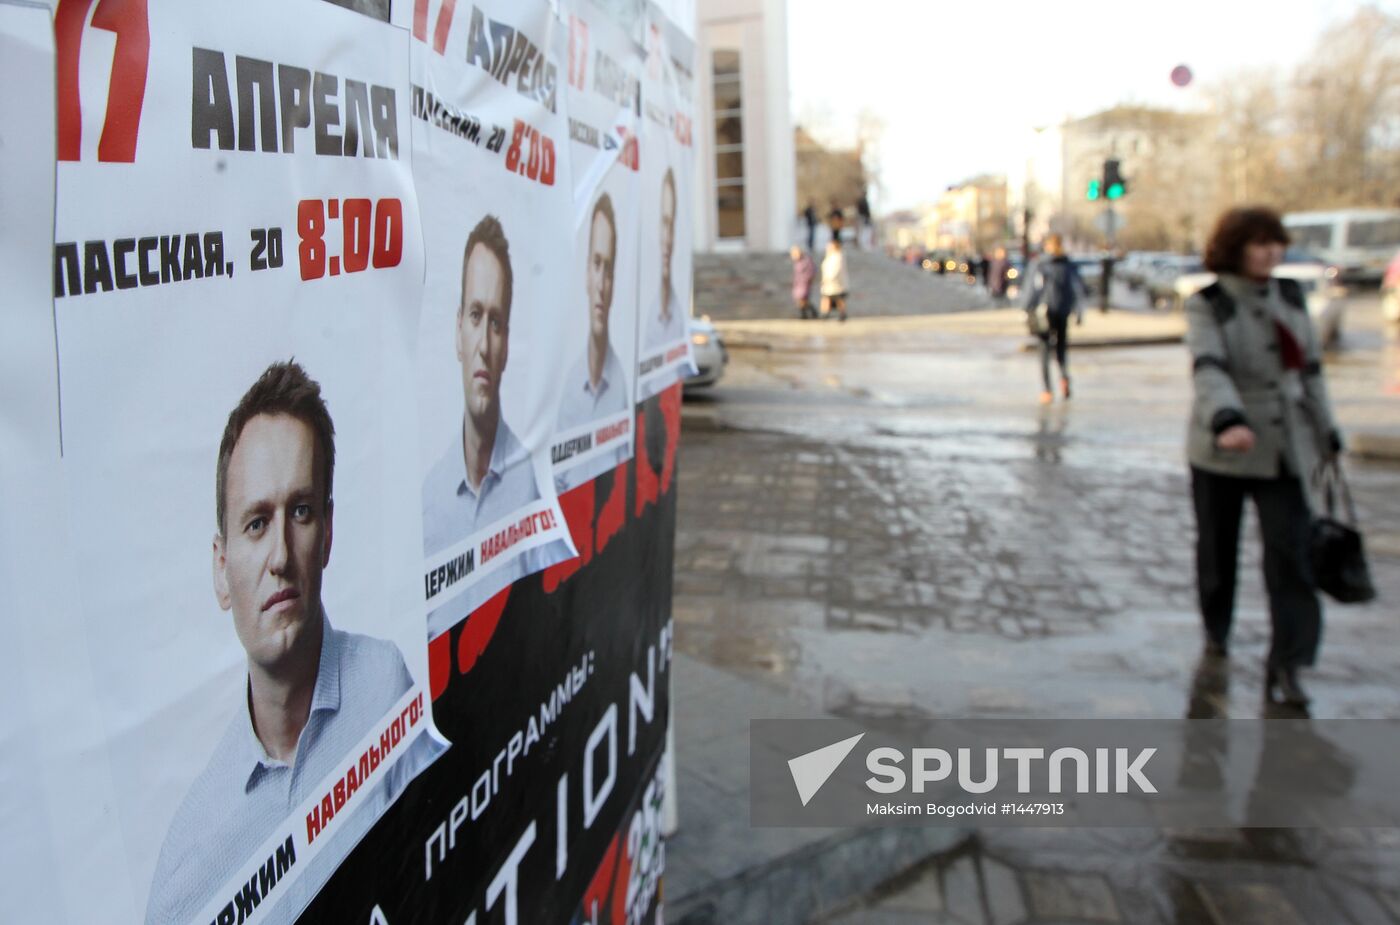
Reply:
x=1058, y=284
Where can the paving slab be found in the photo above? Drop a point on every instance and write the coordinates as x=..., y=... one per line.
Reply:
x=965, y=552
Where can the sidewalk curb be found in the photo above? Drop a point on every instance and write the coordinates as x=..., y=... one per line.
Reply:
x=792, y=334
x=1102, y=343
x=1375, y=445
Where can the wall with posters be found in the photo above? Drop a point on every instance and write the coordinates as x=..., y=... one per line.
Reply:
x=342, y=378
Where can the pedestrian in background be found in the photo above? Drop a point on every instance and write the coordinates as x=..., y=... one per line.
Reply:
x=1057, y=292
x=810, y=214
x=864, y=238
x=1260, y=425
x=996, y=275
x=803, y=272
x=835, y=283
x=836, y=220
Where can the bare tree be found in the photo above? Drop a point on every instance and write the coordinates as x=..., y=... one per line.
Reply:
x=870, y=134
x=1325, y=136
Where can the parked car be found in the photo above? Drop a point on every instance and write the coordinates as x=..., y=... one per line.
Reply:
x=1091, y=271
x=1390, y=290
x=934, y=261
x=1135, y=266
x=1319, y=280
x=710, y=354
x=1169, y=277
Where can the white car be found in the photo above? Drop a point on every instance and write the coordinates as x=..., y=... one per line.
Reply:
x=1134, y=268
x=710, y=355
x=1319, y=280
x=1169, y=276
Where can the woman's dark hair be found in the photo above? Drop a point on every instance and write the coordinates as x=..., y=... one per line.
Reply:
x=1238, y=227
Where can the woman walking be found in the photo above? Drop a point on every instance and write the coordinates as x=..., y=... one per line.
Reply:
x=835, y=283
x=1260, y=425
x=1059, y=292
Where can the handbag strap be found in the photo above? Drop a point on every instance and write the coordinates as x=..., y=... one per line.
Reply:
x=1333, y=482
x=1347, y=503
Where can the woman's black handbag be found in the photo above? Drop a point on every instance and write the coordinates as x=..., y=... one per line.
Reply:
x=1338, y=552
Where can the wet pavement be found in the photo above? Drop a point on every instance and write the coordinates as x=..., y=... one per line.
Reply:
x=886, y=526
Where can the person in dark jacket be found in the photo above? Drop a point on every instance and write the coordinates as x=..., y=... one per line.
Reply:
x=1056, y=293
x=1260, y=425
x=997, y=276
x=836, y=220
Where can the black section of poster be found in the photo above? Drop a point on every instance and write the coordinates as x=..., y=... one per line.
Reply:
x=611, y=618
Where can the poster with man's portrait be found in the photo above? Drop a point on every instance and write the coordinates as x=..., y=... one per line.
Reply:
x=597, y=394
x=491, y=168
x=668, y=156
x=237, y=272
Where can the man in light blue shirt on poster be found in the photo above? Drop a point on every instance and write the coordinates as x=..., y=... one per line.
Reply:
x=311, y=693
x=486, y=474
x=666, y=322
x=596, y=387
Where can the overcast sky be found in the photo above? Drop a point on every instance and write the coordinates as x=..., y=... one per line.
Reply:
x=959, y=86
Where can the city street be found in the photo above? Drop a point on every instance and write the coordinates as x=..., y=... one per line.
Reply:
x=880, y=521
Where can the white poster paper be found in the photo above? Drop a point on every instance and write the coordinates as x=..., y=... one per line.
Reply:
x=237, y=273
x=597, y=395
x=668, y=158
x=489, y=132
x=52, y=788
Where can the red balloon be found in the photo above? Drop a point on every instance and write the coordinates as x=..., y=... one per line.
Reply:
x=1181, y=75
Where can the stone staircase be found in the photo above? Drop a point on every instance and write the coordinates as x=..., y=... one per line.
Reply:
x=757, y=286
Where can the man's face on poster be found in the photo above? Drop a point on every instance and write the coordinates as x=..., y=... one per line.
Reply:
x=602, y=248
x=277, y=537
x=668, y=228
x=483, y=328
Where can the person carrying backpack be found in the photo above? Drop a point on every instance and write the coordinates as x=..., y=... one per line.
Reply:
x=1057, y=293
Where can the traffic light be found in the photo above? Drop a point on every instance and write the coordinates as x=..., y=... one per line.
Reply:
x=1093, y=190
x=1114, y=186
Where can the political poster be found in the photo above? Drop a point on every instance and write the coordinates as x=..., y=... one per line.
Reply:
x=597, y=392
x=491, y=168
x=237, y=245
x=667, y=161
x=236, y=277
x=555, y=695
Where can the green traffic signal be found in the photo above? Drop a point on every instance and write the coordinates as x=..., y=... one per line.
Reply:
x=1094, y=190
x=1115, y=191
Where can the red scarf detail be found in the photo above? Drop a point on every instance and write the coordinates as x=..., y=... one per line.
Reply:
x=1290, y=351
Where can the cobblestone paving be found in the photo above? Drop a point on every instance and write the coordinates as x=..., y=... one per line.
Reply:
x=896, y=537
x=1217, y=876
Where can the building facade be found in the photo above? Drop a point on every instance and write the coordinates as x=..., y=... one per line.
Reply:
x=745, y=194
x=1169, y=158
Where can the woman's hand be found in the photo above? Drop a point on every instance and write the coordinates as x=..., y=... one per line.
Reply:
x=1236, y=439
